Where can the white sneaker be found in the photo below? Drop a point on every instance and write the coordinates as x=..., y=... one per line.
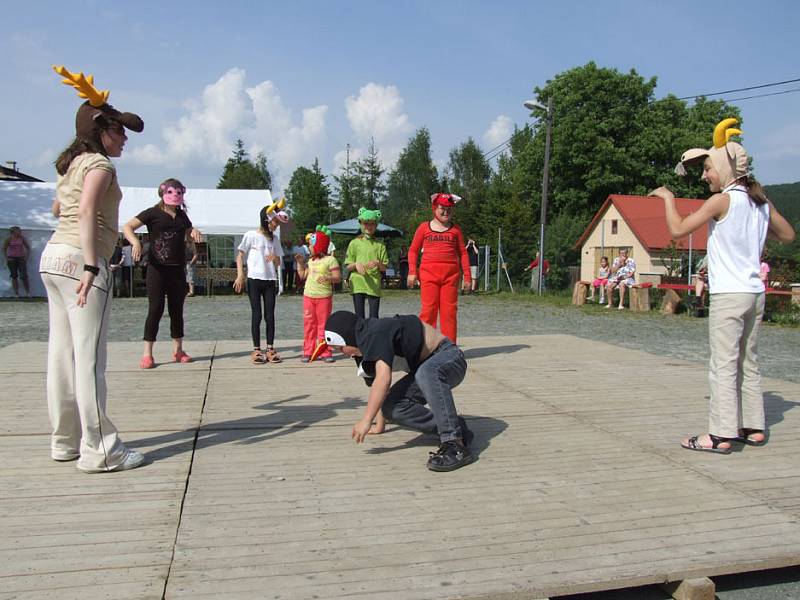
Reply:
x=132, y=460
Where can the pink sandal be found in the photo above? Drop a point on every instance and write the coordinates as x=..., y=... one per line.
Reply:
x=147, y=362
x=181, y=357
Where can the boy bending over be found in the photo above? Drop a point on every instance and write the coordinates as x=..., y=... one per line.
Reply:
x=435, y=365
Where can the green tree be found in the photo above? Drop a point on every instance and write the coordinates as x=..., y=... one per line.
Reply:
x=370, y=172
x=467, y=175
x=241, y=173
x=410, y=184
x=309, y=197
x=610, y=136
x=349, y=191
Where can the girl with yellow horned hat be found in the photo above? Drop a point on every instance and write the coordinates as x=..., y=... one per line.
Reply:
x=261, y=251
x=74, y=269
x=740, y=218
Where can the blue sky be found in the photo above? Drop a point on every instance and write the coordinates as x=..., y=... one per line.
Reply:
x=300, y=80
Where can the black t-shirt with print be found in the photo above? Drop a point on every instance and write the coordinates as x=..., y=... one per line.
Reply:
x=167, y=235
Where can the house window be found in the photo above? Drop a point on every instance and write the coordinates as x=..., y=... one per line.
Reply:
x=221, y=251
x=613, y=226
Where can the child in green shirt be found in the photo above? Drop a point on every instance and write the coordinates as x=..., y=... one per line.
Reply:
x=366, y=262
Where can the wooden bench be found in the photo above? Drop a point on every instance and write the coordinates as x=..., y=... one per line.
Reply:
x=639, y=295
x=639, y=298
x=579, y=292
x=672, y=297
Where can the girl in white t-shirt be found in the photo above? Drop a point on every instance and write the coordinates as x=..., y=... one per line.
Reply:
x=264, y=256
x=739, y=217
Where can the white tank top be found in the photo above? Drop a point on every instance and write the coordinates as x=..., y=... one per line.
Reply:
x=735, y=244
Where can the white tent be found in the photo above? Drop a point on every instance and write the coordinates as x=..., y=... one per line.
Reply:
x=27, y=205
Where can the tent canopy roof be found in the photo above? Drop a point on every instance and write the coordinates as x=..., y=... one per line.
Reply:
x=351, y=227
x=27, y=205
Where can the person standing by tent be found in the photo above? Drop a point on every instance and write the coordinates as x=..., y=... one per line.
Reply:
x=169, y=228
x=16, y=250
x=444, y=259
x=366, y=262
x=74, y=269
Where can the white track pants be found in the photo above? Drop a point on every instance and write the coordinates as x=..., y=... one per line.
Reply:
x=76, y=362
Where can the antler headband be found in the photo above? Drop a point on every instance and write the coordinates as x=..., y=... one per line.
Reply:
x=84, y=85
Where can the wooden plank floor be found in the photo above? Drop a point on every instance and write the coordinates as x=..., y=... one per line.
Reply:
x=254, y=489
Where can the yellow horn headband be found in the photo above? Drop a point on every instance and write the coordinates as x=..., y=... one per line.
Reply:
x=276, y=205
x=723, y=132
x=84, y=85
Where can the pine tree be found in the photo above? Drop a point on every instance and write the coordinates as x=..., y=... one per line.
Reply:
x=240, y=173
x=309, y=196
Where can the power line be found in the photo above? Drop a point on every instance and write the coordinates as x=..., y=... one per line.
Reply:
x=764, y=95
x=500, y=148
x=744, y=89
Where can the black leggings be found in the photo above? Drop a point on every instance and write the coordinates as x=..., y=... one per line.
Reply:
x=262, y=291
x=169, y=280
x=374, y=305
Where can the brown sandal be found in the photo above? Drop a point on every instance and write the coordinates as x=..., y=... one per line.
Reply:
x=257, y=357
x=272, y=356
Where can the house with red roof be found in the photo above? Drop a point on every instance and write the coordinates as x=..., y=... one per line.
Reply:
x=638, y=223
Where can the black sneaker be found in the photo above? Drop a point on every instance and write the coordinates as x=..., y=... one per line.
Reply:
x=449, y=457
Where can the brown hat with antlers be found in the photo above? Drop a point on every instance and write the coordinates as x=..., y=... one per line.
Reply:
x=96, y=113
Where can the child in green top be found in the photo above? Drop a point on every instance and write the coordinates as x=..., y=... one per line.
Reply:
x=366, y=262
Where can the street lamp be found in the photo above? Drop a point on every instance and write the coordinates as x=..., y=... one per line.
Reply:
x=530, y=105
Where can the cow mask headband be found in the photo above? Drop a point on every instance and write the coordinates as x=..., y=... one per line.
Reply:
x=729, y=158
x=273, y=211
x=95, y=114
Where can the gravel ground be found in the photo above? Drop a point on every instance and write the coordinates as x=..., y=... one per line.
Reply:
x=675, y=336
x=228, y=317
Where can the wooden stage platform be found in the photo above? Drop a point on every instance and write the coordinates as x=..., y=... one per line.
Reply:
x=255, y=490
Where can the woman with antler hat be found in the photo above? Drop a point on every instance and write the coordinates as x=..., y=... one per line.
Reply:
x=740, y=218
x=74, y=268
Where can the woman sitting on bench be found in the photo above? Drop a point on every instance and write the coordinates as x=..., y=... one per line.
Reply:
x=622, y=272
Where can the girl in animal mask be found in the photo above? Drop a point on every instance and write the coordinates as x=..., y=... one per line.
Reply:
x=320, y=274
x=263, y=252
x=168, y=228
x=740, y=218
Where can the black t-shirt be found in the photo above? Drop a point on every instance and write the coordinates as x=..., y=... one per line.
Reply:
x=387, y=338
x=167, y=235
x=472, y=253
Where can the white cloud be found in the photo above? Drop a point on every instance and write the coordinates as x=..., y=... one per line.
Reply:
x=377, y=113
x=228, y=110
x=499, y=131
x=340, y=158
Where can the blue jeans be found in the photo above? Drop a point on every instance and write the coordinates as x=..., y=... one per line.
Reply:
x=432, y=384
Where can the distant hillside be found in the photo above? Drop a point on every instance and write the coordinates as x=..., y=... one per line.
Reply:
x=786, y=198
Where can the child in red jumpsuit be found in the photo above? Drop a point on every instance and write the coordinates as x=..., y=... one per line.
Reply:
x=444, y=259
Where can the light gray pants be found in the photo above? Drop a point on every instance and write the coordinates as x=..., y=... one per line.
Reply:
x=76, y=362
x=736, y=398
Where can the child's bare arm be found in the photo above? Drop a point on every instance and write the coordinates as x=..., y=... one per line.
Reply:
x=377, y=394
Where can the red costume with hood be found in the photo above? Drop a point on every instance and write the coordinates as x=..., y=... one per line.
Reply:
x=444, y=259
